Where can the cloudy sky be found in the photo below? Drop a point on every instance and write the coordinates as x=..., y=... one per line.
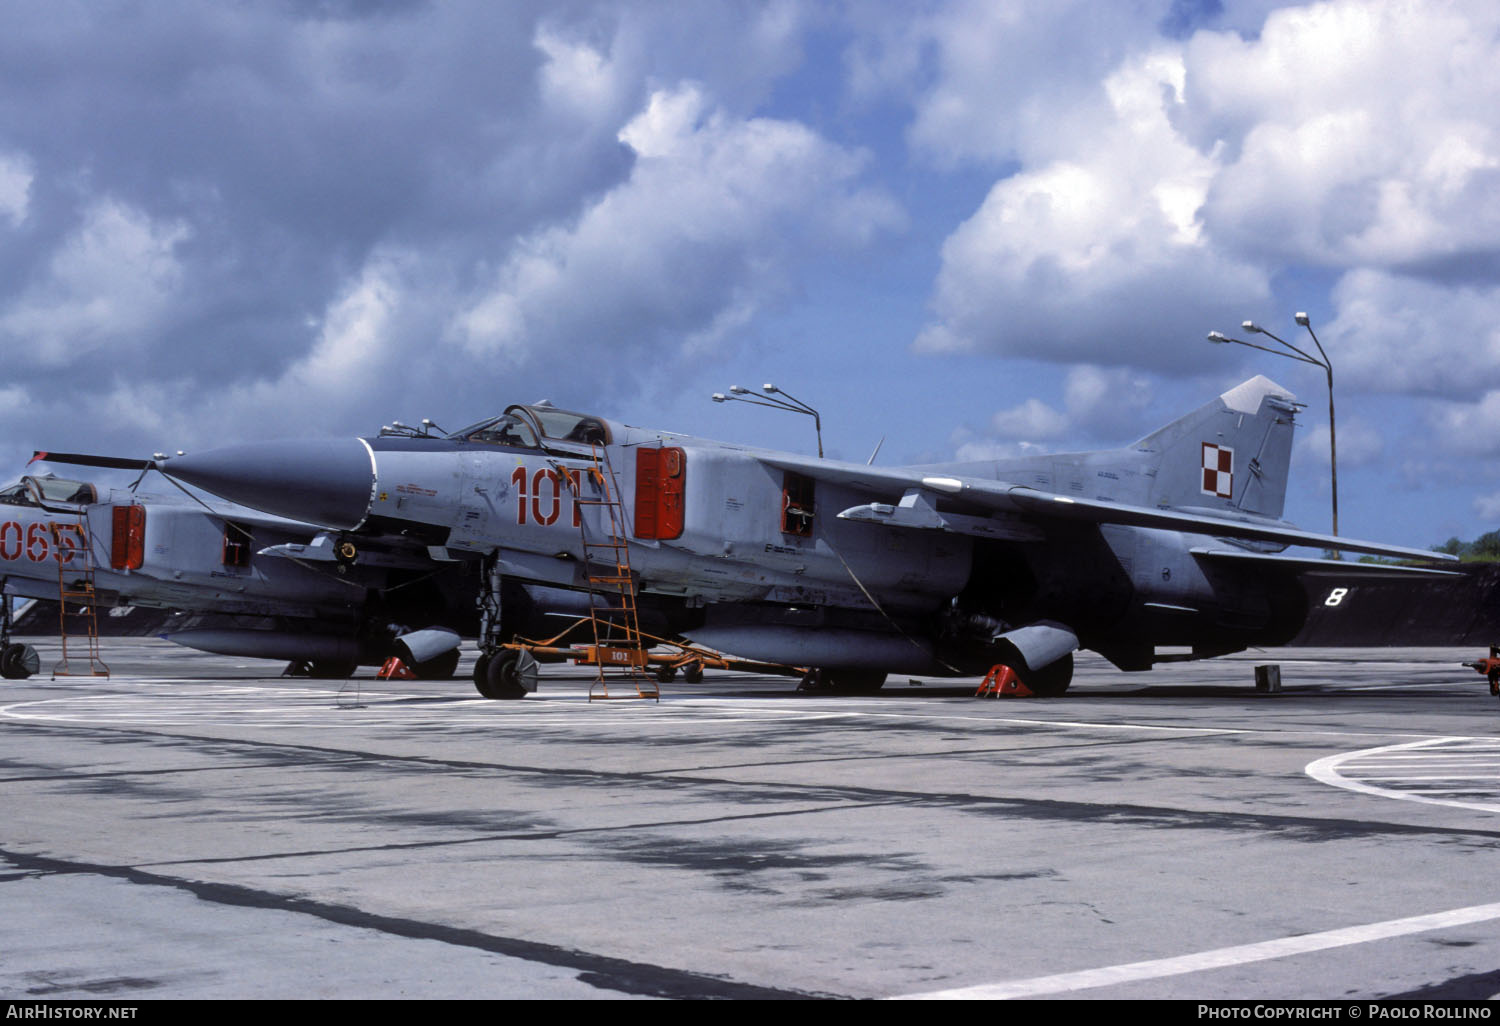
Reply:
x=972, y=228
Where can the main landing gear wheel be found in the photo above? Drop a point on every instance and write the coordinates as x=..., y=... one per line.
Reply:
x=17, y=662
x=508, y=674
x=439, y=667
x=1051, y=680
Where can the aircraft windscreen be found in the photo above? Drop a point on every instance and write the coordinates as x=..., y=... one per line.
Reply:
x=16, y=495
x=48, y=489
x=502, y=430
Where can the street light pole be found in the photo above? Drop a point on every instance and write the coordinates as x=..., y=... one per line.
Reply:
x=1291, y=352
x=1333, y=445
x=776, y=399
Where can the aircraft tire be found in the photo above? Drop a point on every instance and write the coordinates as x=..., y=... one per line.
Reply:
x=19, y=661
x=1052, y=680
x=502, y=676
x=10, y=667
x=854, y=682
x=331, y=669
x=481, y=678
x=439, y=667
x=693, y=674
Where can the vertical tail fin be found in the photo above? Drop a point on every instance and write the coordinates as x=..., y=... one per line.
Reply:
x=1231, y=454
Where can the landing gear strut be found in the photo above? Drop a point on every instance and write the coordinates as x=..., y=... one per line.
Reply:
x=499, y=672
x=17, y=661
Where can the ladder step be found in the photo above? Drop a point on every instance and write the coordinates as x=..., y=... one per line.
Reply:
x=625, y=661
x=83, y=592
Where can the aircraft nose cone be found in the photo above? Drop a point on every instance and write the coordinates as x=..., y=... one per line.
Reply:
x=327, y=482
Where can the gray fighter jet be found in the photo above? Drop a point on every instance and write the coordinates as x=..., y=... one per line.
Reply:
x=311, y=604
x=852, y=571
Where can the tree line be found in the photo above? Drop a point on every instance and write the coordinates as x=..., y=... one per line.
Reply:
x=1484, y=549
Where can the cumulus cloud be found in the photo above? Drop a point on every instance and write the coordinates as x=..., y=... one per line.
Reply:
x=1471, y=429
x=15, y=187
x=1101, y=407
x=969, y=447
x=316, y=216
x=356, y=361
x=240, y=220
x=1395, y=333
x=1360, y=443
x=1108, y=403
x=1089, y=257
x=1033, y=419
x=994, y=82
x=1487, y=507
x=1360, y=133
x=1159, y=187
x=577, y=79
x=110, y=283
x=716, y=212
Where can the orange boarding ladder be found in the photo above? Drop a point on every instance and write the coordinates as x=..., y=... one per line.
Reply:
x=618, y=644
x=75, y=581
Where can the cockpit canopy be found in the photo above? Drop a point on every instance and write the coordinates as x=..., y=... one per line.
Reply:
x=502, y=430
x=47, y=490
x=530, y=427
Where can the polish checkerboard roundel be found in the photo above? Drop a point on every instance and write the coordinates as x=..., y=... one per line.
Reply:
x=1218, y=470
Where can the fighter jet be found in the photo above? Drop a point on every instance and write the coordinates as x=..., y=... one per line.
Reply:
x=851, y=571
x=175, y=552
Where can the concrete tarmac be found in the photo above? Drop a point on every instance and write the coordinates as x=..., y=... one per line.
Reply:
x=199, y=827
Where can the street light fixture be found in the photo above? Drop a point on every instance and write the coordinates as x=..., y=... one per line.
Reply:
x=776, y=399
x=1291, y=352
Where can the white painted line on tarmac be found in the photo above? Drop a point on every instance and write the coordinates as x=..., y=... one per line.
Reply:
x=1219, y=958
x=1369, y=771
x=1012, y=721
x=200, y=703
x=1427, y=758
x=1399, y=777
x=177, y=702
